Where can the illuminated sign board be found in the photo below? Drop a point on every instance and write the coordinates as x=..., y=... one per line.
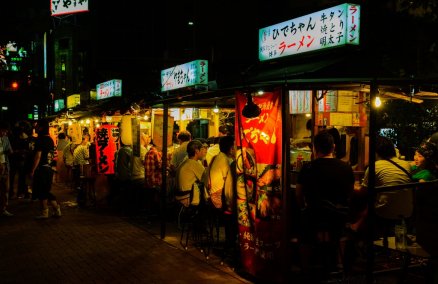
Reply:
x=73, y=100
x=185, y=75
x=332, y=27
x=109, y=89
x=59, y=105
x=62, y=7
x=12, y=56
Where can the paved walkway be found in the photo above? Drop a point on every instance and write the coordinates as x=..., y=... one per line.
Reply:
x=96, y=246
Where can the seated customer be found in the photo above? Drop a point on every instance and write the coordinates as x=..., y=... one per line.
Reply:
x=190, y=174
x=424, y=167
x=323, y=182
x=389, y=170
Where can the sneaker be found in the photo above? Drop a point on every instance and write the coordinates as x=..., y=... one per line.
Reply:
x=44, y=214
x=57, y=212
x=6, y=213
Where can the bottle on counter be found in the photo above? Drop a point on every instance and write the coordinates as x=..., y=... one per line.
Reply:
x=299, y=161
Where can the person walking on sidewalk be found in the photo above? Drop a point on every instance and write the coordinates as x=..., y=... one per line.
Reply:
x=5, y=150
x=42, y=172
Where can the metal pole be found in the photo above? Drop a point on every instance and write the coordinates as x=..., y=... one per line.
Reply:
x=163, y=191
x=371, y=182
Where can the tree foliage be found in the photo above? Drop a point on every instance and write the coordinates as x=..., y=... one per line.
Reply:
x=410, y=123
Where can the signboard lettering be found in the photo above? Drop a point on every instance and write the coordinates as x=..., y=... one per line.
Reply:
x=328, y=28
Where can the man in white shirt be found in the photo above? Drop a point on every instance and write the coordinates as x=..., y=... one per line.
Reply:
x=214, y=150
x=180, y=153
x=191, y=172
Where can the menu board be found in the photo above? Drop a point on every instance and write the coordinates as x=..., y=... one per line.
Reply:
x=341, y=119
x=300, y=102
x=327, y=101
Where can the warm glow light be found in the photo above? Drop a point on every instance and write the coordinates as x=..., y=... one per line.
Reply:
x=216, y=109
x=70, y=122
x=98, y=125
x=87, y=121
x=308, y=115
x=145, y=117
x=377, y=102
x=260, y=92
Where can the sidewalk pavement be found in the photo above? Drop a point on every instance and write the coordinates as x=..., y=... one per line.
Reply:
x=96, y=245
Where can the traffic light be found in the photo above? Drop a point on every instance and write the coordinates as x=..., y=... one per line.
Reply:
x=14, y=85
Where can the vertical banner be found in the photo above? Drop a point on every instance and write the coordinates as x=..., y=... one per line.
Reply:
x=259, y=190
x=157, y=134
x=107, y=143
x=135, y=129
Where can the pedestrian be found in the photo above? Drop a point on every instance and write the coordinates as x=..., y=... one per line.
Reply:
x=42, y=173
x=20, y=142
x=5, y=151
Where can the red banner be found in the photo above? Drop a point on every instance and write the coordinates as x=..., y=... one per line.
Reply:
x=107, y=143
x=259, y=190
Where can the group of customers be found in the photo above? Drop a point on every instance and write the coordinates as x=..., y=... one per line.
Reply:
x=332, y=208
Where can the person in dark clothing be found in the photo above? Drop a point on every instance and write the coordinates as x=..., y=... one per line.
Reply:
x=20, y=143
x=323, y=186
x=42, y=172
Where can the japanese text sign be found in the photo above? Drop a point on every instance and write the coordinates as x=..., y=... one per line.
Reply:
x=62, y=7
x=107, y=143
x=73, y=100
x=109, y=89
x=185, y=75
x=332, y=27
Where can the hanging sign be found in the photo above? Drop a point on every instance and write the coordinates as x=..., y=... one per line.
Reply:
x=259, y=190
x=185, y=75
x=109, y=89
x=107, y=143
x=332, y=27
x=63, y=7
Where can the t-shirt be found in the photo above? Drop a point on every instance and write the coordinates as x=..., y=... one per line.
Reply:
x=422, y=174
x=391, y=205
x=211, y=152
x=189, y=173
x=179, y=155
x=326, y=179
x=45, y=144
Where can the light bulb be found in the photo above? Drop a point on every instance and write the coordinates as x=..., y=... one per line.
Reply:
x=377, y=102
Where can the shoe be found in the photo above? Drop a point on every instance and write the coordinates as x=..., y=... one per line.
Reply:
x=57, y=212
x=44, y=214
x=6, y=213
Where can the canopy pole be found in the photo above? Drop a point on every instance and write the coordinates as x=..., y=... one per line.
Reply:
x=163, y=191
